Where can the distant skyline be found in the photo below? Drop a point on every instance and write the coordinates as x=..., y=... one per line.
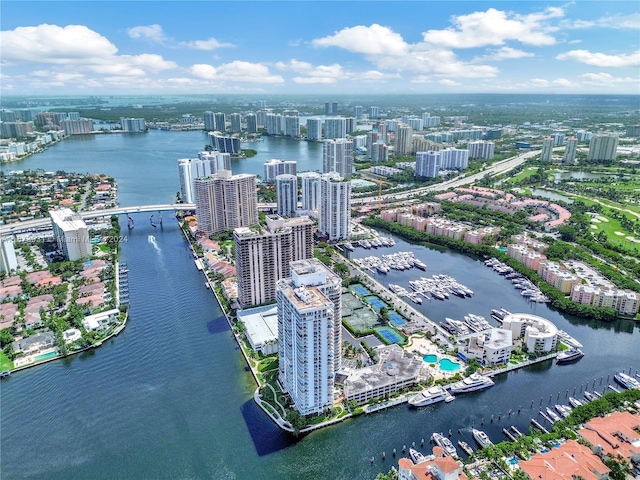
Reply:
x=322, y=47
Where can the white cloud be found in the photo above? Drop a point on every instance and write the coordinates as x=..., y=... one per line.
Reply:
x=312, y=80
x=449, y=83
x=605, y=79
x=151, y=33
x=313, y=74
x=52, y=44
x=374, y=76
x=504, y=53
x=372, y=40
x=602, y=59
x=209, y=44
x=616, y=22
x=558, y=82
x=495, y=27
x=236, y=71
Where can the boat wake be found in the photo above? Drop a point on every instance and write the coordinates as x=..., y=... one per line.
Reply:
x=152, y=241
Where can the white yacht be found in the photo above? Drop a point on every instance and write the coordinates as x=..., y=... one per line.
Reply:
x=472, y=383
x=568, y=340
x=429, y=397
x=570, y=355
x=481, y=437
x=445, y=443
x=627, y=381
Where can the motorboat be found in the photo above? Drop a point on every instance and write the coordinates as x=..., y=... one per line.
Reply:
x=416, y=456
x=445, y=443
x=568, y=340
x=472, y=383
x=627, y=381
x=481, y=437
x=466, y=448
x=568, y=356
x=553, y=415
x=449, y=399
x=563, y=410
x=429, y=396
x=590, y=397
x=575, y=403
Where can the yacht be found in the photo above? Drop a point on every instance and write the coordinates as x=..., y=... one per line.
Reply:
x=445, y=443
x=575, y=403
x=627, y=381
x=569, y=356
x=419, y=264
x=472, y=383
x=552, y=415
x=382, y=268
x=568, y=340
x=416, y=456
x=499, y=314
x=349, y=247
x=465, y=447
x=428, y=397
x=481, y=437
x=590, y=397
x=563, y=410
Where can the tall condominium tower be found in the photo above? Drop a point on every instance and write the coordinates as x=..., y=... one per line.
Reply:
x=263, y=255
x=252, y=122
x=310, y=191
x=335, y=207
x=291, y=126
x=404, y=134
x=335, y=128
x=287, y=195
x=275, y=167
x=205, y=165
x=357, y=111
x=236, y=122
x=71, y=233
x=314, y=129
x=337, y=156
x=220, y=122
x=224, y=202
x=547, y=149
x=274, y=123
x=209, y=121
x=603, y=148
x=309, y=334
x=481, y=149
x=570, y=151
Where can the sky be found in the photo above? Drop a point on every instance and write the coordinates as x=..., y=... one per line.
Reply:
x=306, y=47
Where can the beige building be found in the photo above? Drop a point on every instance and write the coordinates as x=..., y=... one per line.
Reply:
x=71, y=233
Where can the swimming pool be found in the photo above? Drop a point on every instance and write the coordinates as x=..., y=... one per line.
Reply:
x=44, y=356
x=447, y=365
x=431, y=358
x=513, y=461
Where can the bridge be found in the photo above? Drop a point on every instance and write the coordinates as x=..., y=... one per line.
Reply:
x=43, y=223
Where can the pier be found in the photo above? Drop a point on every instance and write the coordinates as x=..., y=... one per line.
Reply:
x=536, y=424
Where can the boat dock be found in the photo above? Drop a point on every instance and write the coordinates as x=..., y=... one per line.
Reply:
x=507, y=433
x=526, y=363
x=536, y=424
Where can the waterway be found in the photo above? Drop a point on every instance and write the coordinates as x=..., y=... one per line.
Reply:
x=171, y=397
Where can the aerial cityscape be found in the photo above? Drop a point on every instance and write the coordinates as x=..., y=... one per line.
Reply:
x=379, y=249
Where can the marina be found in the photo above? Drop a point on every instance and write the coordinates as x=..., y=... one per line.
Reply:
x=526, y=287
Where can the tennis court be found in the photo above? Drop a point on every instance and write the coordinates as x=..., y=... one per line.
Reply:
x=359, y=290
x=396, y=320
x=376, y=303
x=389, y=335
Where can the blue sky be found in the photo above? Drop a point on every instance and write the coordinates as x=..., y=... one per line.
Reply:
x=171, y=47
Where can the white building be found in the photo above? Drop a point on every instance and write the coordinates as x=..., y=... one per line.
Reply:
x=547, y=149
x=603, y=148
x=291, y=126
x=71, y=234
x=8, y=260
x=261, y=328
x=539, y=334
x=335, y=207
x=275, y=123
x=309, y=334
x=404, y=135
x=481, y=149
x=236, y=122
x=335, y=128
x=287, y=195
x=337, y=156
x=570, y=151
x=494, y=347
x=275, y=167
x=207, y=164
x=427, y=164
x=310, y=191
x=133, y=124
x=314, y=129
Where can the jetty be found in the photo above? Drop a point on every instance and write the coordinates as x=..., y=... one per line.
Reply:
x=536, y=424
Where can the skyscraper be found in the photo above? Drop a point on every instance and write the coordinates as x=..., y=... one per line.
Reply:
x=291, y=126
x=220, y=121
x=337, y=156
x=224, y=202
x=372, y=138
x=481, y=149
x=275, y=167
x=570, y=151
x=357, y=111
x=603, y=148
x=310, y=191
x=287, y=195
x=252, y=123
x=335, y=207
x=547, y=149
x=133, y=125
x=263, y=255
x=309, y=334
x=404, y=134
x=71, y=234
x=204, y=166
x=274, y=123
x=374, y=112
x=224, y=143
x=236, y=122
x=209, y=121
x=427, y=164
x=335, y=128
x=314, y=129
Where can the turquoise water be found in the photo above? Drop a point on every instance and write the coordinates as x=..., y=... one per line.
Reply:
x=376, y=303
x=431, y=358
x=396, y=319
x=44, y=356
x=447, y=365
x=389, y=335
x=360, y=290
x=513, y=461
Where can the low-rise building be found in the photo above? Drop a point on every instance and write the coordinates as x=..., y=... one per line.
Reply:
x=261, y=328
x=539, y=334
x=569, y=461
x=100, y=320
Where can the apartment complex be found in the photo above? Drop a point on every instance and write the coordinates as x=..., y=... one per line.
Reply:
x=225, y=201
x=205, y=165
x=337, y=156
x=335, y=207
x=275, y=167
x=71, y=234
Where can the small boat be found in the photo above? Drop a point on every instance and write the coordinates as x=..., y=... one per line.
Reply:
x=349, y=247
x=563, y=410
x=449, y=399
x=570, y=355
x=466, y=448
x=416, y=456
x=575, y=403
x=589, y=396
x=568, y=340
x=515, y=430
x=5, y=374
x=553, y=415
x=481, y=437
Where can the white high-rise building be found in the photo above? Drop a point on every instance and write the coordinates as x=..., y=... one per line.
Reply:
x=309, y=334
x=310, y=191
x=570, y=151
x=291, y=126
x=314, y=129
x=481, y=149
x=263, y=256
x=274, y=124
x=220, y=121
x=236, y=122
x=335, y=207
x=205, y=165
x=209, y=121
x=71, y=234
x=374, y=112
x=427, y=164
x=252, y=122
x=335, y=128
x=275, y=167
x=133, y=124
x=8, y=260
x=603, y=148
x=404, y=135
x=287, y=195
x=379, y=152
x=547, y=149
x=337, y=156
x=224, y=202
x=357, y=111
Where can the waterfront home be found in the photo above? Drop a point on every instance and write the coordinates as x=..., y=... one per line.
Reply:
x=570, y=460
x=34, y=343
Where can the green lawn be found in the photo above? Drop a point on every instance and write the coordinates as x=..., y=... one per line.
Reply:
x=522, y=175
x=5, y=363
